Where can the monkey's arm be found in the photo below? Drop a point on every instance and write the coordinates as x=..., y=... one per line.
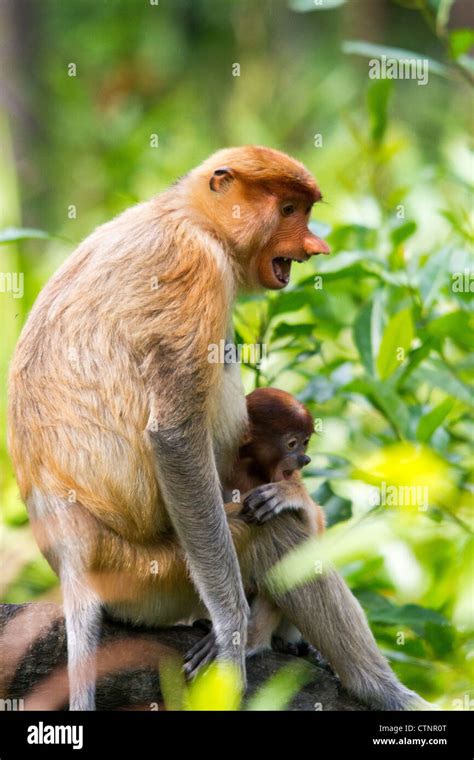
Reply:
x=190, y=486
x=183, y=389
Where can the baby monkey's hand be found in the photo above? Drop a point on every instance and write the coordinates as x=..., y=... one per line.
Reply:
x=267, y=501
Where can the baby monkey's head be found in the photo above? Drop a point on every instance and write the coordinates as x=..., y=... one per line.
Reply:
x=279, y=431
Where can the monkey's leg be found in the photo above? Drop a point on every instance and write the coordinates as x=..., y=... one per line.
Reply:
x=323, y=609
x=328, y=616
x=63, y=534
x=83, y=615
x=265, y=618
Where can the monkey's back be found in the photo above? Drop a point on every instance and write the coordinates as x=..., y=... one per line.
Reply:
x=78, y=405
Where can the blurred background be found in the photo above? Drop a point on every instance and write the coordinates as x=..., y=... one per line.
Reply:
x=103, y=103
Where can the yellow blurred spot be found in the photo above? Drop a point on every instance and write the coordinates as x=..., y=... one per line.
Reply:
x=408, y=466
x=216, y=688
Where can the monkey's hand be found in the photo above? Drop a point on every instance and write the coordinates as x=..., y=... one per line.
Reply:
x=265, y=502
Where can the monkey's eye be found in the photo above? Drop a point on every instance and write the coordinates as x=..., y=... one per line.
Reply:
x=287, y=209
x=308, y=209
x=305, y=442
x=291, y=444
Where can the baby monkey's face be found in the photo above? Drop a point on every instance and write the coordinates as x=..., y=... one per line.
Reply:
x=278, y=455
x=280, y=428
x=290, y=454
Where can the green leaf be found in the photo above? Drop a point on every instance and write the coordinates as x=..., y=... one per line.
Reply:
x=349, y=236
x=378, y=95
x=14, y=234
x=391, y=405
x=335, y=467
x=336, y=507
x=320, y=389
x=284, y=329
x=397, y=335
x=461, y=41
x=278, y=691
x=415, y=358
x=288, y=301
x=458, y=223
x=34, y=579
x=302, y=6
x=386, y=400
x=434, y=275
x=340, y=262
x=363, y=337
x=372, y=267
x=440, y=636
x=367, y=333
x=412, y=5
x=381, y=610
x=437, y=375
x=357, y=263
x=457, y=325
x=369, y=50
x=401, y=233
x=431, y=421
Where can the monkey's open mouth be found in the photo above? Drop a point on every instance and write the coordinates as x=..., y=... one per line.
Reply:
x=287, y=474
x=282, y=268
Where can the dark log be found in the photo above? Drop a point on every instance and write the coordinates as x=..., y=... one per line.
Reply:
x=33, y=665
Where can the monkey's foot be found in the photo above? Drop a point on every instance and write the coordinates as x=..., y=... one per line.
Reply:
x=263, y=503
x=296, y=648
x=300, y=649
x=201, y=654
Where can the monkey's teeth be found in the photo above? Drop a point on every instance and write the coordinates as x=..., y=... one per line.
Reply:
x=282, y=269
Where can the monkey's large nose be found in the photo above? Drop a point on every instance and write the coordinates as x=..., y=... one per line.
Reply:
x=304, y=460
x=313, y=245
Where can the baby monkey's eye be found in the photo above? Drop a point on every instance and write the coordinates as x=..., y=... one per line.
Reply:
x=308, y=210
x=306, y=441
x=287, y=209
x=291, y=444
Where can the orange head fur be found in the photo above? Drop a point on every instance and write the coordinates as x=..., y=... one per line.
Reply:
x=258, y=200
x=279, y=431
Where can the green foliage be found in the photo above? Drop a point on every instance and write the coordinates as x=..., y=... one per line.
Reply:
x=378, y=94
x=279, y=690
x=35, y=579
x=398, y=335
x=369, y=50
x=15, y=234
x=336, y=507
x=302, y=6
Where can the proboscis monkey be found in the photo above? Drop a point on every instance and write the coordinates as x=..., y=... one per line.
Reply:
x=122, y=432
x=273, y=449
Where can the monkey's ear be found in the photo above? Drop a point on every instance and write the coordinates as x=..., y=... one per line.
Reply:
x=221, y=178
x=246, y=438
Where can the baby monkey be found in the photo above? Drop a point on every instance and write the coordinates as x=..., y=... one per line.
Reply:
x=272, y=450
